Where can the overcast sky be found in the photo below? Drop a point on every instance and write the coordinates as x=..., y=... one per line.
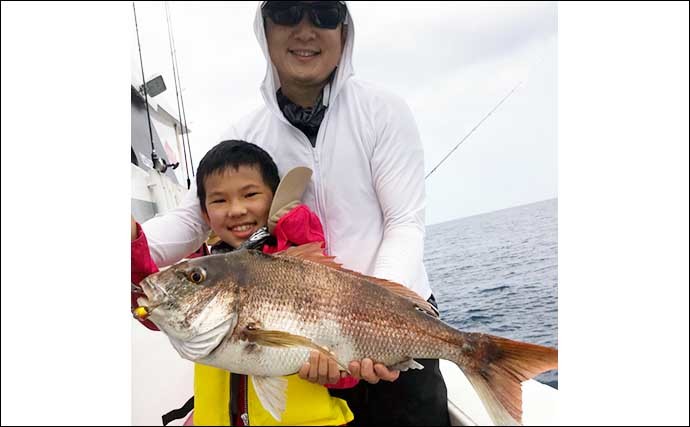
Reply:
x=451, y=62
x=623, y=173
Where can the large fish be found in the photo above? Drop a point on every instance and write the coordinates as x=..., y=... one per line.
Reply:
x=261, y=315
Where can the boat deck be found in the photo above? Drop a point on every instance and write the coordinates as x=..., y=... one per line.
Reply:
x=539, y=401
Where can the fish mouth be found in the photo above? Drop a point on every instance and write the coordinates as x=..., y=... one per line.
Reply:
x=152, y=291
x=154, y=296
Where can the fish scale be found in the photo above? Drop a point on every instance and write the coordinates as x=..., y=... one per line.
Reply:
x=261, y=315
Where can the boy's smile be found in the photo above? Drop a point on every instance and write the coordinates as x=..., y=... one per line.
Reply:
x=244, y=230
x=237, y=203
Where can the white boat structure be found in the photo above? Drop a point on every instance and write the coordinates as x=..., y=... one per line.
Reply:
x=161, y=380
x=539, y=401
x=155, y=188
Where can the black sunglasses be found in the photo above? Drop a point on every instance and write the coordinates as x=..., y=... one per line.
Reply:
x=323, y=14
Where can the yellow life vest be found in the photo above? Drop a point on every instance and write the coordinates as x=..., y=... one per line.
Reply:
x=307, y=403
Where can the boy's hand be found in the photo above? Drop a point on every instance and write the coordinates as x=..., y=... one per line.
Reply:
x=320, y=369
x=370, y=372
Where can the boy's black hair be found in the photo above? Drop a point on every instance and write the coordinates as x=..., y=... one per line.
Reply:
x=232, y=154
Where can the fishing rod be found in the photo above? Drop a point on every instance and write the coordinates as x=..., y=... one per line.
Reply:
x=179, y=80
x=177, y=95
x=474, y=128
x=154, y=156
x=520, y=83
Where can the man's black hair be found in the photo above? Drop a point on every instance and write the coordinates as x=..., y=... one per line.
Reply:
x=232, y=154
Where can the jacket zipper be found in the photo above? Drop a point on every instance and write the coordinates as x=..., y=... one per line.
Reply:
x=238, y=397
x=320, y=199
x=245, y=405
x=318, y=194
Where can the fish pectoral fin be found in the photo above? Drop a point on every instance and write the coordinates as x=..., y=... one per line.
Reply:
x=406, y=364
x=286, y=339
x=271, y=392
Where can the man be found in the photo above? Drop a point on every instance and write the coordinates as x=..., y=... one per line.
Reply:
x=367, y=188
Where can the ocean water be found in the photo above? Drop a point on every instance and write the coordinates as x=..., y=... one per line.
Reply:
x=497, y=273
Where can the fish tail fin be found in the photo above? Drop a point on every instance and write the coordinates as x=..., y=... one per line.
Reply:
x=497, y=368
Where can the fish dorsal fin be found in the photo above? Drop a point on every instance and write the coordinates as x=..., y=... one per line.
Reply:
x=313, y=252
x=310, y=252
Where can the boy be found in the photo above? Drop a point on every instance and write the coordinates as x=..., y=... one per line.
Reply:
x=239, y=195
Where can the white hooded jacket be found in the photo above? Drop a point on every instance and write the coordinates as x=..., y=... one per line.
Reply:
x=367, y=185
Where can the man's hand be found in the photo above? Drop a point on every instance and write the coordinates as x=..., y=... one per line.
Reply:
x=370, y=372
x=320, y=369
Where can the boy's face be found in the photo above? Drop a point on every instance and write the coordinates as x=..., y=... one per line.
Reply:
x=237, y=203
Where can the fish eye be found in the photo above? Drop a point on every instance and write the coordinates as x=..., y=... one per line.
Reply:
x=197, y=275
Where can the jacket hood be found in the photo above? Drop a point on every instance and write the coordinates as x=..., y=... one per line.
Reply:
x=271, y=82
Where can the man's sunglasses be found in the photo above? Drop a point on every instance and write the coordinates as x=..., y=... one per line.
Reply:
x=323, y=14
